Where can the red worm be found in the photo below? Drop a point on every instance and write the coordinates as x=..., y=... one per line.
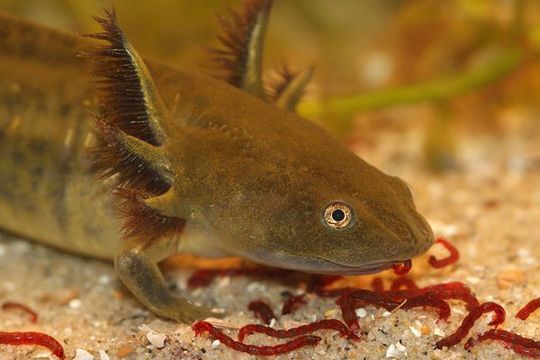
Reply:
x=452, y=258
x=467, y=297
x=455, y=290
x=429, y=299
x=519, y=344
x=403, y=268
x=262, y=310
x=452, y=285
x=33, y=338
x=292, y=304
x=203, y=326
x=317, y=283
x=331, y=324
x=470, y=319
x=348, y=307
x=348, y=302
x=8, y=305
x=528, y=309
x=447, y=291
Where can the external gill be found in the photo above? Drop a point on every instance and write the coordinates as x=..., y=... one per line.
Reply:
x=129, y=96
x=288, y=89
x=137, y=164
x=134, y=128
x=240, y=57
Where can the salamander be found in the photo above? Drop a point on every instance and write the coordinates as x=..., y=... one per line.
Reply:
x=108, y=155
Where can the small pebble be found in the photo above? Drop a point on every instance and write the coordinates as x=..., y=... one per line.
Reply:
x=330, y=313
x=523, y=252
x=458, y=311
x=289, y=324
x=103, y=355
x=218, y=310
x=215, y=344
x=361, y=312
x=156, y=339
x=392, y=351
x=81, y=354
x=490, y=317
x=438, y=332
x=386, y=314
x=401, y=347
x=473, y=280
x=255, y=286
x=415, y=331
x=104, y=279
x=63, y=296
x=224, y=282
x=45, y=354
x=75, y=304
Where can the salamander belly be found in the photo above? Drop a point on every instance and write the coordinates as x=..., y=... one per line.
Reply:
x=48, y=191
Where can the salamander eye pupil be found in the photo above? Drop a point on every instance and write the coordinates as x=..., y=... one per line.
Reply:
x=337, y=215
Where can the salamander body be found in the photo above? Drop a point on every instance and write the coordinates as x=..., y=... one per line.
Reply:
x=155, y=160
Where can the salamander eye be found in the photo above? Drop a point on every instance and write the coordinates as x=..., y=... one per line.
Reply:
x=338, y=215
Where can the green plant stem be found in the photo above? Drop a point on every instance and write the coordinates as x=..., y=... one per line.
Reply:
x=438, y=89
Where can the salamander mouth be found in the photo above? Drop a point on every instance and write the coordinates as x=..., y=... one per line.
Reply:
x=320, y=265
x=364, y=269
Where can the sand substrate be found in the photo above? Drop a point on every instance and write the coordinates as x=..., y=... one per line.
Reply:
x=489, y=208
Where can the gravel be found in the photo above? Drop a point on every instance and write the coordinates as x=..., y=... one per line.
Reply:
x=489, y=212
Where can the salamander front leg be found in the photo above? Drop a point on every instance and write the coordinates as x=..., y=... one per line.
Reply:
x=140, y=273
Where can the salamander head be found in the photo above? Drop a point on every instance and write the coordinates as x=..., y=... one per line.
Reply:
x=339, y=216
x=274, y=188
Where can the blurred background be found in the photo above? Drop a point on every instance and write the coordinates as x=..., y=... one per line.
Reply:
x=444, y=85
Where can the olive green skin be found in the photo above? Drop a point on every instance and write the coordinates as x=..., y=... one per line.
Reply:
x=269, y=195
x=250, y=179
